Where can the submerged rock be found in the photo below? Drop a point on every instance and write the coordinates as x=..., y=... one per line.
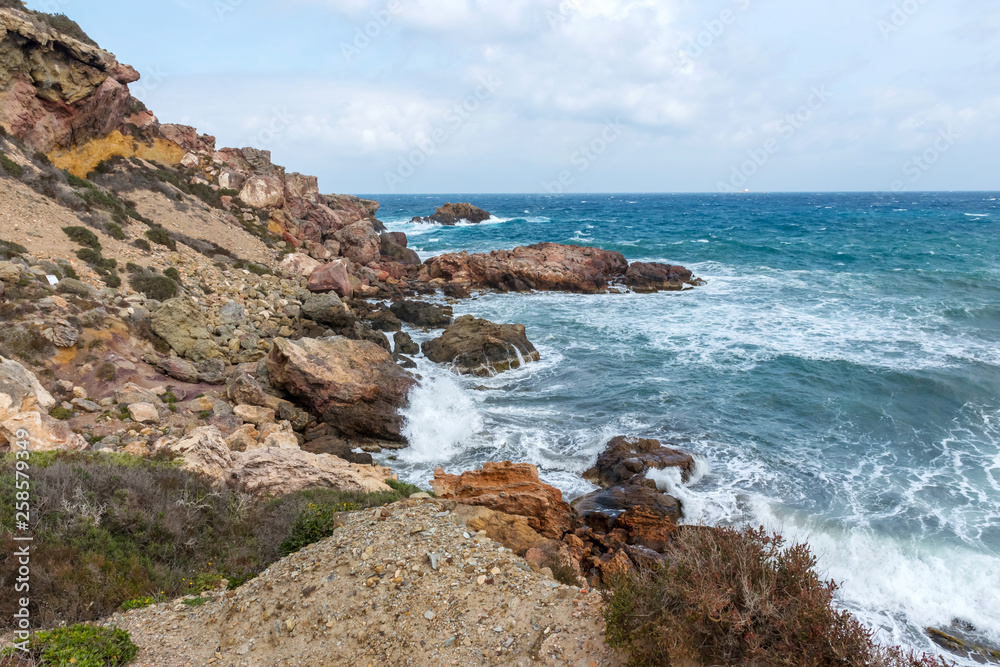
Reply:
x=355, y=385
x=452, y=214
x=481, y=347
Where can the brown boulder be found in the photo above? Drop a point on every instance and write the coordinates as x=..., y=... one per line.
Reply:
x=543, y=266
x=626, y=458
x=602, y=509
x=388, y=247
x=480, y=347
x=282, y=471
x=510, y=530
x=452, y=214
x=332, y=277
x=359, y=242
x=654, y=277
x=511, y=488
x=355, y=385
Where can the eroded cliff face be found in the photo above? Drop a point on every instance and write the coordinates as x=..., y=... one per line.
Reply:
x=63, y=96
x=55, y=90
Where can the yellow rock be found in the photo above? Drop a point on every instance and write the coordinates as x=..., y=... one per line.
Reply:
x=81, y=160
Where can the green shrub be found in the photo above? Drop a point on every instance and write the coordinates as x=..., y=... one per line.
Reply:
x=42, y=159
x=95, y=259
x=153, y=286
x=738, y=597
x=161, y=236
x=314, y=523
x=142, y=244
x=173, y=274
x=61, y=413
x=111, y=280
x=82, y=646
x=24, y=343
x=76, y=181
x=404, y=488
x=12, y=168
x=115, y=231
x=84, y=237
x=107, y=372
x=10, y=249
x=111, y=528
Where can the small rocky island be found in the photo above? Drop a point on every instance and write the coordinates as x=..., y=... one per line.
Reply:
x=452, y=214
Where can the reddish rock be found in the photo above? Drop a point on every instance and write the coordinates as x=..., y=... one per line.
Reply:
x=188, y=138
x=511, y=488
x=625, y=458
x=359, y=242
x=543, y=266
x=601, y=510
x=648, y=526
x=653, y=277
x=355, y=385
x=332, y=277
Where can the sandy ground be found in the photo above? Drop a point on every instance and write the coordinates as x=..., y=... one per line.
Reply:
x=370, y=595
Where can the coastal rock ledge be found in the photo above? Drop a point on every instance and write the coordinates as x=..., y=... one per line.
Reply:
x=553, y=267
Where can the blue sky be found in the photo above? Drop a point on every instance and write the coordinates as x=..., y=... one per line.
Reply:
x=452, y=96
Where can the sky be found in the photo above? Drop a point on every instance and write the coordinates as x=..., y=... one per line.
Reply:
x=524, y=96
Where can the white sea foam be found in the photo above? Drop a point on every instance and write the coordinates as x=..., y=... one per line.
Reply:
x=440, y=418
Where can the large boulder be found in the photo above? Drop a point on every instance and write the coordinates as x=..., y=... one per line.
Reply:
x=360, y=242
x=654, y=277
x=277, y=471
x=480, y=347
x=601, y=509
x=625, y=459
x=263, y=192
x=181, y=322
x=423, y=314
x=24, y=406
x=332, y=277
x=299, y=264
x=327, y=309
x=511, y=488
x=452, y=214
x=388, y=247
x=355, y=385
x=203, y=451
x=510, y=530
x=543, y=266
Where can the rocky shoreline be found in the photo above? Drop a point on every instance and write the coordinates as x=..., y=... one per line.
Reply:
x=168, y=301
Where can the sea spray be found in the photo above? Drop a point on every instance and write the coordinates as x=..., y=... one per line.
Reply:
x=440, y=418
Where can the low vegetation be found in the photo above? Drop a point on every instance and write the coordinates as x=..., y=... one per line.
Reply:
x=161, y=236
x=739, y=597
x=154, y=286
x=10, y=167
x=111, y=528
x=79, y=646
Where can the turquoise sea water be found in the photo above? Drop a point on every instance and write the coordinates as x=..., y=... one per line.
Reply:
x=838, y=377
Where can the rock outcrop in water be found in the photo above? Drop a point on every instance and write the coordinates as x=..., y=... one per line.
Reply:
x=653, y=277
x=452, y=214
x=480, y=347
x=543, y=266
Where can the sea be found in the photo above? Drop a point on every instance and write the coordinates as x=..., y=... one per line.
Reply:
x=837, y=378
